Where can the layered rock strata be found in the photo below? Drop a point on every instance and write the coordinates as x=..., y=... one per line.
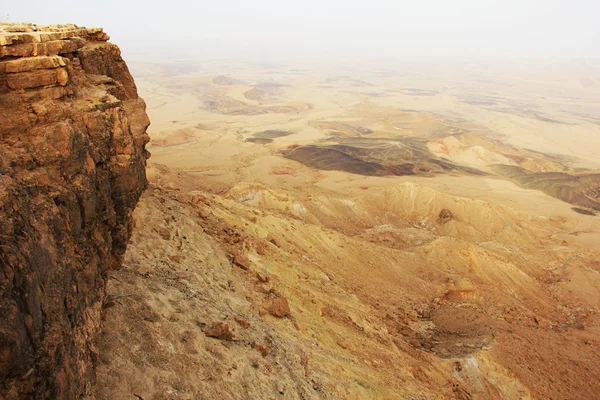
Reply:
x=72, y=168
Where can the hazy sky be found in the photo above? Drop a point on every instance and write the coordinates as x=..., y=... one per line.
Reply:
x=273, y=29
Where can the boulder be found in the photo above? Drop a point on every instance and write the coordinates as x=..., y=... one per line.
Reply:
x=278, y=306
x=219, y=330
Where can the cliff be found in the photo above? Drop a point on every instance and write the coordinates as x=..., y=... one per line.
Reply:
x=72, y=168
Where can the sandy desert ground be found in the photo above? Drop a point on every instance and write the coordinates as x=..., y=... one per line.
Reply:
x=433, y=229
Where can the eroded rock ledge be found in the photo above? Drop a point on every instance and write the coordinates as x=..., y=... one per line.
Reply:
x=72, y=167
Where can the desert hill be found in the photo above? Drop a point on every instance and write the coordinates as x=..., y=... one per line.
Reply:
x=410, y=293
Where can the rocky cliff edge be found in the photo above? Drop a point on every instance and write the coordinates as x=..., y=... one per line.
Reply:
x=72, y=168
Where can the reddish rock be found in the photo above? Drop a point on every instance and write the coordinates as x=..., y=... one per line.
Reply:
x=219, y=330
x=175, y=258
x=296, y=324
x=279, y=307
x=72, y=168
x=263, y=278
x=202, y=214
x=261, y=348
x=304, y=363
x=342, y=344
x=242, y=261
x=242, y=322
x=268, y=368
x=260, y=248
x=541, y=322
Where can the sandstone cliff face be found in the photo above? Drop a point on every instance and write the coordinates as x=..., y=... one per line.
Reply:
x=72, y=167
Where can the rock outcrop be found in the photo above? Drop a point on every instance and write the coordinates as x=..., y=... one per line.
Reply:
x=72, y=168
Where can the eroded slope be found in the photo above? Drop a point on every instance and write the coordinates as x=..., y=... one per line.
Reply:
x=462, y=308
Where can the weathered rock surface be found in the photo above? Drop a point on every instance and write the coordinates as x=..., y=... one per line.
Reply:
x=278, y=307
x=219, y=330
x=72, y=168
